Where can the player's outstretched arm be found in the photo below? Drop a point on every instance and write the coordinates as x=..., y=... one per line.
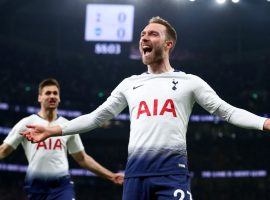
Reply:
x=85, y=123
x=87, y=162
x=266, y=125
x=38, y=133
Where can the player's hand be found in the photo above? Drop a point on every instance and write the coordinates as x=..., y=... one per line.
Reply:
x=35, y=133
x=118, y=178
x=266, y=125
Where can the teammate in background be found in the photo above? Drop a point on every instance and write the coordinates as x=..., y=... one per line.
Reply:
x=47, y=175
x=160, y=102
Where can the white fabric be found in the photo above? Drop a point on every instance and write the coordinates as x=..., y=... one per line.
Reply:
x=240, y=117
x=161, y=130
x=48, y=158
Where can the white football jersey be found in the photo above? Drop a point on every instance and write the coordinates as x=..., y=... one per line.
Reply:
x=47, y=159
x=160, y=106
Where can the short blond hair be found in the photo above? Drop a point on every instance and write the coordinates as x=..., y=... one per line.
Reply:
x=171, y=32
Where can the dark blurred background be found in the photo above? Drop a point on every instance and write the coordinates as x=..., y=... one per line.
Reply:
x=228, y=45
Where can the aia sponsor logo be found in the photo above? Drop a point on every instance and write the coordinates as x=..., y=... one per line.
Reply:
x=167, y=107
x=50, y=144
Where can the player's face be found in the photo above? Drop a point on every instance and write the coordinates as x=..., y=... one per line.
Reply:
x=49, y=97
x=153, y=43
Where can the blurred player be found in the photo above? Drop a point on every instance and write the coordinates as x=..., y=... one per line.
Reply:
x=47, y=175
x=160, y=102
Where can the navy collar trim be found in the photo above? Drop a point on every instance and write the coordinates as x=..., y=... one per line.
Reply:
x=175, y=70
x=57, y=117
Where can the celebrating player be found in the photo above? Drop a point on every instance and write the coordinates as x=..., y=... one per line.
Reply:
x=48, y=174
x=160, y=102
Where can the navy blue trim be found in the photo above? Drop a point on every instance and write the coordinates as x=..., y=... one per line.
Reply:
x=175, y=70
x=57, y=117
x=183, y=171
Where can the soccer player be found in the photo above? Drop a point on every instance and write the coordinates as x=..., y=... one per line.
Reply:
x=160, y=102
x=47, y=175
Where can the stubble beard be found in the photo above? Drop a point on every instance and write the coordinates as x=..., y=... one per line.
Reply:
x=51, y=107
x=156, y=56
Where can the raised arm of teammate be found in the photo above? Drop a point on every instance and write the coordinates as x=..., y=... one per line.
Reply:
x=5, y=150
x=87, y=162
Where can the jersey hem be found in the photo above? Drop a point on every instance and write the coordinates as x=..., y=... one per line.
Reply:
x=156, y=174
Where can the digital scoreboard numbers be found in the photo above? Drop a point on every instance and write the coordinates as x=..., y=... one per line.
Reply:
x=109, y=23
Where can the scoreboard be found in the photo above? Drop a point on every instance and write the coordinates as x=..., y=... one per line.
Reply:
x=108, y=26
x=106, y=22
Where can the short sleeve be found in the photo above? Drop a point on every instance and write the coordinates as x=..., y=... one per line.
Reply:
x=14, y=137
x=74, y=144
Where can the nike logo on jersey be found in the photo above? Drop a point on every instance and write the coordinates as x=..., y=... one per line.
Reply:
x=135, y=87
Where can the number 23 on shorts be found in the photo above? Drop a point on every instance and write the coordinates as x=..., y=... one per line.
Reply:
x=181, y=194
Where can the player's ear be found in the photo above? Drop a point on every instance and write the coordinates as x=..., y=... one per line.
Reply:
x=169, y=44
x=39, y=98
x=59, y=96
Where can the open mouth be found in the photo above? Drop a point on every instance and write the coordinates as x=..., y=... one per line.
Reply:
x=52, y=102
x=147, y=50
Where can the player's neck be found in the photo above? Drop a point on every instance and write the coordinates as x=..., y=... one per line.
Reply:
x=159, y=68
x=48, y=114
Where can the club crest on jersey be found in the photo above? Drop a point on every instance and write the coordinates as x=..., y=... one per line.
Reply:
x=167, y=107
x=174, y=84
x=50, y=144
